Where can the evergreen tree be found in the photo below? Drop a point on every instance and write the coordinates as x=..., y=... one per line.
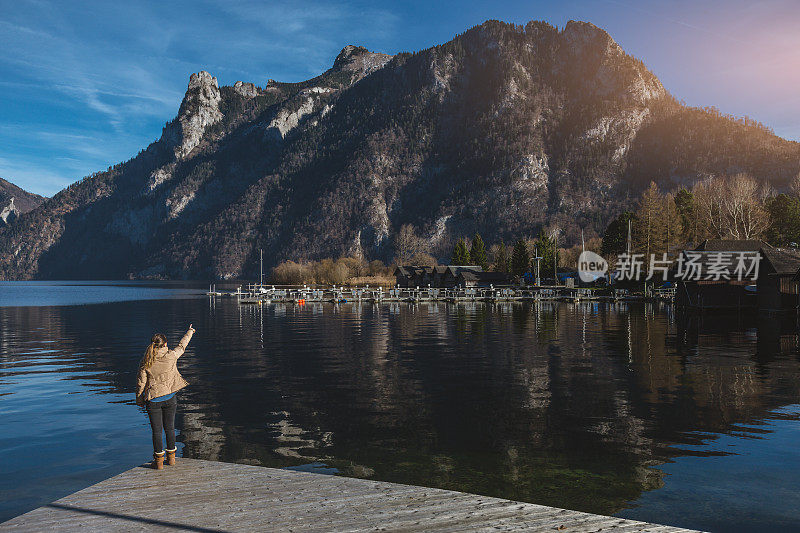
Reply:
x=502, y=262
x=460, y=254
x=465, y=252
x=615, y=239
x=477, y=253
x=649, y=230
x=784, y=220
x=545, y=247
x=520, y=259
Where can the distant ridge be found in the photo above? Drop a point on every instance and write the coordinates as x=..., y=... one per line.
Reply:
x=24, y=200
x=14, y=201
x=502, y=130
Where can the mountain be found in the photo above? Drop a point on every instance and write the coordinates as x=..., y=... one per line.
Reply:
x=502, y=130
x=15, y=201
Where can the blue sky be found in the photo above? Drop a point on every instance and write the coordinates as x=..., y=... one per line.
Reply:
x=84, y=85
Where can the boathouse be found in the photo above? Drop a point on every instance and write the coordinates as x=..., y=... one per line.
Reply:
x=413, y=276
x=471, y=278
x=698, y=284
x=777, y=279
x=442, y=276
x=771, y=287
x=448, y=276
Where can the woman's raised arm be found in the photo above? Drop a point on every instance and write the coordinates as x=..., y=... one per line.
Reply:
x=181, y=347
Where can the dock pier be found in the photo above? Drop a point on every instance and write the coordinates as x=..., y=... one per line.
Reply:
x=207, y=496
x=256, y=293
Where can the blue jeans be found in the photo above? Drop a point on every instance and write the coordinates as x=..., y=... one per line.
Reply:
x=162, y=418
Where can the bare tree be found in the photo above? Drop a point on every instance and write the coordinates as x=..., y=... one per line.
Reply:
x=709, y=197
x=406, y=244
x=794, y=185
x=671, y=222
x=649, y=230
x=732, y=207
x=744, y=207
x=423, y=259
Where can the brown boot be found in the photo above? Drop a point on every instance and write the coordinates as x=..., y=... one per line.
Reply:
x=171, y=456
x=158, y=461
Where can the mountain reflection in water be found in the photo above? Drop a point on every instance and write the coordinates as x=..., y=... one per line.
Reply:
x=584, y=406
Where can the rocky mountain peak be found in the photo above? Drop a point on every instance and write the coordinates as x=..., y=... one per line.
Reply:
x=348, y=53
x=202, y=80
x=608, y=71
x=199, y=109
x=248, y=90
x=359, y=59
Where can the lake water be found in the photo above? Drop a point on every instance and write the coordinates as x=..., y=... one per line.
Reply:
x=609, y=408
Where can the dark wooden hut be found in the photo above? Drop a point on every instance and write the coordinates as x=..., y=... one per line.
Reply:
x=448, y=276
x=777, y=283
x=413, y=276
x=707, y=277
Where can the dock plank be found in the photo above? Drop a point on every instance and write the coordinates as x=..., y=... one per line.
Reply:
x=207, y=496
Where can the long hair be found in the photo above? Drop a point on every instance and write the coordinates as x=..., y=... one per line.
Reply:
x=156, y=342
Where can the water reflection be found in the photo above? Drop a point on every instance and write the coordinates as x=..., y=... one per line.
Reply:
x=581, y=406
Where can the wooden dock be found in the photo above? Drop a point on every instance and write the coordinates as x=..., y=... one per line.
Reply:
x=207, y=496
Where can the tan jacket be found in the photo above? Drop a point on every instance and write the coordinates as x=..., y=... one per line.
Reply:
x=163, y=376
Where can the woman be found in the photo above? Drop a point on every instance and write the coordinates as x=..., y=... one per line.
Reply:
x=158, y=382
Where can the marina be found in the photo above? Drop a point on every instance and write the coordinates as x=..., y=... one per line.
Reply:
x=260, y=294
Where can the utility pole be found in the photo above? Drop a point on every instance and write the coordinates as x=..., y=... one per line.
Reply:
x=629, y=238
x=583, y=244
x=555, y=255
x=261, y=268
x=538, y=259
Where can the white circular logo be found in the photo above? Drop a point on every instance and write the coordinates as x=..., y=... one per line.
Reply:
x=591, y=267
